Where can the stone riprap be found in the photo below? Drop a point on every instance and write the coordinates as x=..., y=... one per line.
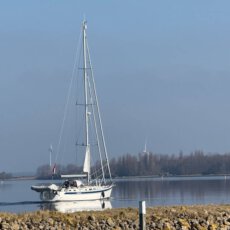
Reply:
x=166, y=218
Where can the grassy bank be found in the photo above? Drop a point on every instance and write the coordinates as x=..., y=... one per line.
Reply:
x=172, y=217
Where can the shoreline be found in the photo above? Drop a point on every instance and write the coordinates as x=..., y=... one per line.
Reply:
x=129, y=177
x=168, y=218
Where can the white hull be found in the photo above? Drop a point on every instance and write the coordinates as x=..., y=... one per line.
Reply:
x=85, y=193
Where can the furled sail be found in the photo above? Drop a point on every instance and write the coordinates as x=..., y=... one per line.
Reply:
x=86, y=166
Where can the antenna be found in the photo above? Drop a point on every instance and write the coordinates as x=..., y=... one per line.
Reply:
x=50, y=152
x=145, y=151
x=145, y=147
x=84, y=17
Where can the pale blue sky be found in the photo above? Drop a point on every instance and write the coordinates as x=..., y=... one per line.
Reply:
x=162, y=70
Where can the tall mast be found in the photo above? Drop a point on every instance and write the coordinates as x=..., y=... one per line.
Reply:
x=84, y=26
x=85, y=84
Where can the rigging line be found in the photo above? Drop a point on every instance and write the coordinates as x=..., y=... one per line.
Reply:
x=99, y=115
x=94, y=115
x=96, y=173
x=68, y=97
x=99, y=169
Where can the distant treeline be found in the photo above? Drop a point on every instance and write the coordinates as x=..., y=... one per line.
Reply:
x=196, y=163
x=47, y=172
x=4, y=175
x=145, y=164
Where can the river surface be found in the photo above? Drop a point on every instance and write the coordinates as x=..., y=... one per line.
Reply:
x=16, y=196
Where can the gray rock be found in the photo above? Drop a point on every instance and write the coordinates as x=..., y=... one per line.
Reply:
x=110, y=222
x=52, y=228
x=122, y=225
x=50, y=221
x=91, y=218
x=151, y=225
x=5, y=225
x=15, y=226
x=102, y=222
x=226, y=222
x=203, y=223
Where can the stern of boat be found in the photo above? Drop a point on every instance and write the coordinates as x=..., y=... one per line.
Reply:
x=48, y=195
x=106, y=193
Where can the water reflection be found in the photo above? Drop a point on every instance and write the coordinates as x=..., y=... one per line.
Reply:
x=168, y=191
x=69, y=207
x=4, y=185
x=16, y=196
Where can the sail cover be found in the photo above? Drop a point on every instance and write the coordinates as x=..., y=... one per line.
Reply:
x=86, y=166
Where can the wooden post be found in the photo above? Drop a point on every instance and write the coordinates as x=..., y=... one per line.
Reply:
x=142, y=212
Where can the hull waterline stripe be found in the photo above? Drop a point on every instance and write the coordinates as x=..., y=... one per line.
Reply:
x=71, y=193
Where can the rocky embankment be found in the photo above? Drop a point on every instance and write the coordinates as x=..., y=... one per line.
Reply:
x=166, y=218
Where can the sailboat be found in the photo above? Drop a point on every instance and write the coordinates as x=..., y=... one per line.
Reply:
x=89, y=185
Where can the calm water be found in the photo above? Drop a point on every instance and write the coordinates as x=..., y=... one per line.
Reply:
x=16, y=196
